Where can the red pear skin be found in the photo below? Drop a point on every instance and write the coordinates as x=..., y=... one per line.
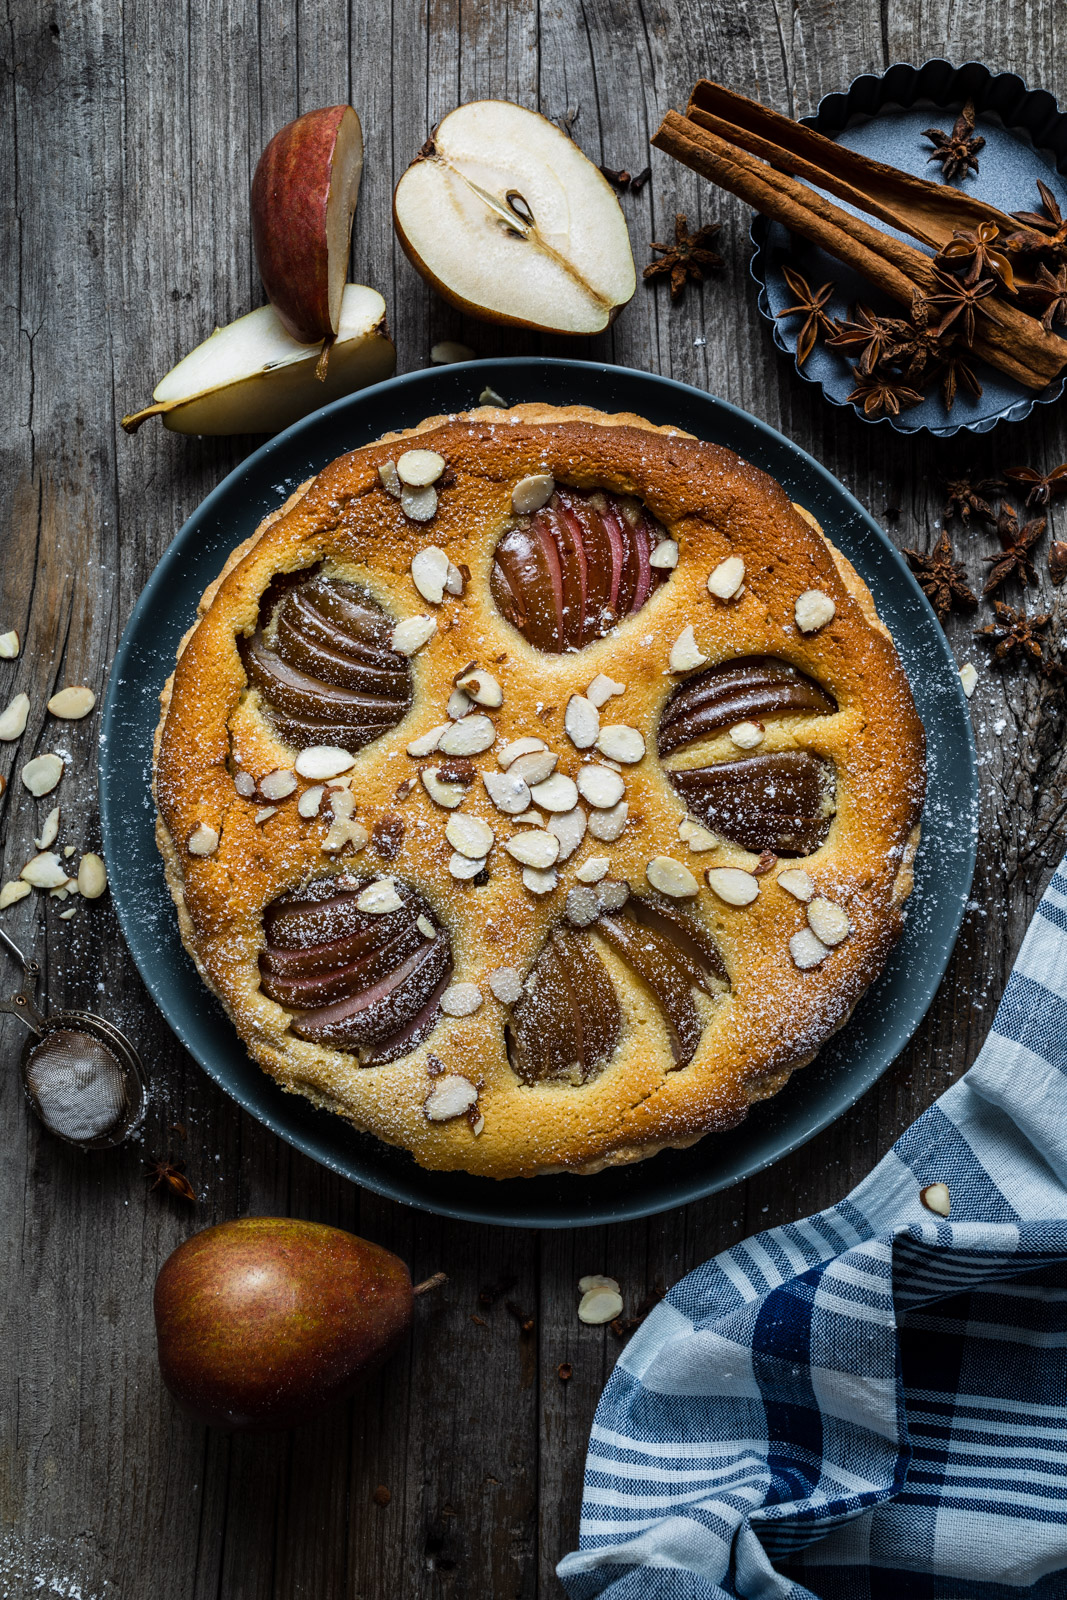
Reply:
x=264, y=1322
x=290, y=196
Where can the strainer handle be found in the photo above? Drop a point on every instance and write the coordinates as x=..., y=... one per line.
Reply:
x=32, y=969
x=20, y=1005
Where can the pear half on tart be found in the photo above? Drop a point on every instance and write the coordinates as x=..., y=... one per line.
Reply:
x=508, y=220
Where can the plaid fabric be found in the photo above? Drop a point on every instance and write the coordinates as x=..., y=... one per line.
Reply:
x=870, y=1404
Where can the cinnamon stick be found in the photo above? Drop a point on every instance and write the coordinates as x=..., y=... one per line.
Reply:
x=1008, y=339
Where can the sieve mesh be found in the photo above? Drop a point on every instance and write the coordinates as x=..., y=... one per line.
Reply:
x=77, y=1086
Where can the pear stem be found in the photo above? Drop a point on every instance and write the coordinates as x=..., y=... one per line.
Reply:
x=323, y=362
x=132, y=422
x=431, y=1283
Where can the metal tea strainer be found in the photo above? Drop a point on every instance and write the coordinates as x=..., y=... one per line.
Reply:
x=82, y=1076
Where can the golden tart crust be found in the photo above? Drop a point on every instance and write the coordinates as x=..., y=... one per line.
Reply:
x=774, y=1017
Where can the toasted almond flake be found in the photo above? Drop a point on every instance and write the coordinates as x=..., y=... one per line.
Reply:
x=593, y=869
x=72, y=703
x=795, y=881
x=482, y=688
x=463, y=867
x=279, y=784
x=813, y=610
x=582, y=906
x=412, y=633
x=613, y=893
x=671, y=877
x=344, y=833
x=602, y=688
x=489, y=397
x=461, y=1000
x=807, y=950
x=92, y=876
x=747, y=735
x=428, y=741
x=62, y=893
x=429, y=573
x=49, y=831
x=935, y=1197
x=533, y=849
x=732, y=885
x=509, y=753
x=530, y=494
x=685, y=653
x=665, y=555
x=607, y=825
x=12, y=892
x=387, y=477
x=451, y=1096
x=41, y=775
x=535, y=767
x=310, y=801
x=599, y=1306
x=265, y=813
x=420, y=468
x=457, y=705
x=71, y=911
x=45, y=871
x=505, y=985
x=968, y=678
x=556, y=793
x=533, y=818
x=602, y=787
x=418, y=505
x=455, y=581
x=245, y=785
x=478, y=1124
x=9, y=649
x=379, y=897
x=595, y=1281
x=425, y=926
x=469, y=737
x=540, y=880
x=569, y=828
x=469, y=835
x=448, y=351
x=321, y=761
x=828, y=921
x=446, y=795
x=13, y=719
x=622, y=743
x=68, y=851
x=581, y=722
x=508, y=792
x=696, y=836
x=727, y=579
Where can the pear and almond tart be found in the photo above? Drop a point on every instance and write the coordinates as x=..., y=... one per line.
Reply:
x=538, y=789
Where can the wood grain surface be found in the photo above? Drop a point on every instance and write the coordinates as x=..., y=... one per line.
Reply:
x=131, y=131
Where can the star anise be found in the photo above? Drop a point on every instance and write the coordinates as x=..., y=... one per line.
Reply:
x=172, y=1177
x=1013, y=635
x=688, y=258
x=956, y=301
x=810, y=305
x=871, y=337
x=978, y=246
x=1040, y=487
x=1044, y=231
x=957, y=151
x=956, y=370
x=1016, y=543
x=942, y=578
x=1052, y=288
x=965, y=499
x=882, y=394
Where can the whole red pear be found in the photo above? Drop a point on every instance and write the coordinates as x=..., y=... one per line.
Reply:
x=262, y=1323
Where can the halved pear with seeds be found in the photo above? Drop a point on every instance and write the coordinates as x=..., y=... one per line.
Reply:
x=253, y=377
x=507, y=219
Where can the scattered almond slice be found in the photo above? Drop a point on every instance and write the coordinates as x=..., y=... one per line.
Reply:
x=533, y=849
x=595, y=1281
x=747, y=735
x=540, y=880
x=828, y=922
x=446, y=795
x=665, y=555
x=379, y=897
x=465, y=867
x=601, y=787
x=807, y=950
x=602, y=688
x=935, y=1197
x=534, y=767
x=613, y=893
x=489, y=397
x=428, y=741
x=344, y=833
x=556, y=793
x=530, y=494
x=468, y=737
x=728, y=578
x=429, y=572
x=813, y=610
x=593, y=869
x=12, y=892
x=65, y=916
x=245, y=785
x=457, y=705
x=621, y=743
x=508, y=792
x=419, y=468
x=448, y=351
x=607, y=825
x=412, y=633
x=321, y=761
x=390, y=482
x=469, y=835
x=569, y=828
x=45, y=871
x=582, y=906
x=203, y=841
x=670, y=877
x=72, y=703
x=62, y=893
x=505, y=984
x=482, y=688
x=425, y=926
x=418, y=505
x=968, y=678
x=455, y=581
x=310, y=801
x=92, y=876
x=531, y=818
x=509, y=753
x=41, y=775
x=685, y=654
x=14, y=717
x=49, y=831
x=9, y=649
x=795, y=881
x=581, y=722
x=451, y=1096
x=599, y=1306
x=279, y=784
x=696, y=836
x=264, y=814
x=732, y=885
x=461, y=1000
x=68, y=851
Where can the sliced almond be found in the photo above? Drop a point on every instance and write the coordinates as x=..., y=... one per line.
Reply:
x=14, y=717
x=9, y=649
x=556, y=793
x=671, y=877
x=807, y=950
x=607, y=825
x=540, y=880
x=813, y=610
x=45, y=871
x=68, y=851
x=569, y=828
x=727, y=580
x=428, y=741
x=508, y=792
x=49, y=831
x=41, y=775
x=418, y=505
x=828, y=921
x=535, y=767
x=321, y=761
x=72, y=703
x=265, y=813
x=602, y=688
x=685, y=653
x=429, y=572
x=489, y=397
x=469, y=835
x=390, y=482
x=593, y=869
x=245, y=785
x=412, y=633
x=935, y=1197
x=12, y=892
x=621, y=743
x=581, y=722
x=344, y=832
x=425, y=926
x=530, y=494
x=599, y=1306
x=747, y=735
x=420, y=468
x=455, y=581
x=732, y=885
x=464, y=867
x=379, y=898
x=602, y=787
x=71, y=911
x=92, y=876
x=505, y=985
x=665, y=555
x=533, y=849
x=596, y=1281
x=448, y=351
x=310, y=801
x=532, y=818
x=613, y=893
x=62, y=893
x=451, y=1096
x=467, y=738
x=482, y=688
x=795, y=881
x=461, y=1000
x=968, y=678
x=582, y=906
x=696, y=836
x=509, y=753
x=446, y=795
x=279, y=784
x=457, y=705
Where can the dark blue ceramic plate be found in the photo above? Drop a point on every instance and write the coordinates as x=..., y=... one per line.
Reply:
x=882, y=1023
x=884, y=117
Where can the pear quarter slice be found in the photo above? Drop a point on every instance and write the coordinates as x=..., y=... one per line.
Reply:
x=253, y=377
x=508, y=220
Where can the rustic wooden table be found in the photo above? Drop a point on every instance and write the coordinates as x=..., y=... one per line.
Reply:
x=132, y=132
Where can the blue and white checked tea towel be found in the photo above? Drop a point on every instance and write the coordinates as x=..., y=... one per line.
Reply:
x=870, y=1404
